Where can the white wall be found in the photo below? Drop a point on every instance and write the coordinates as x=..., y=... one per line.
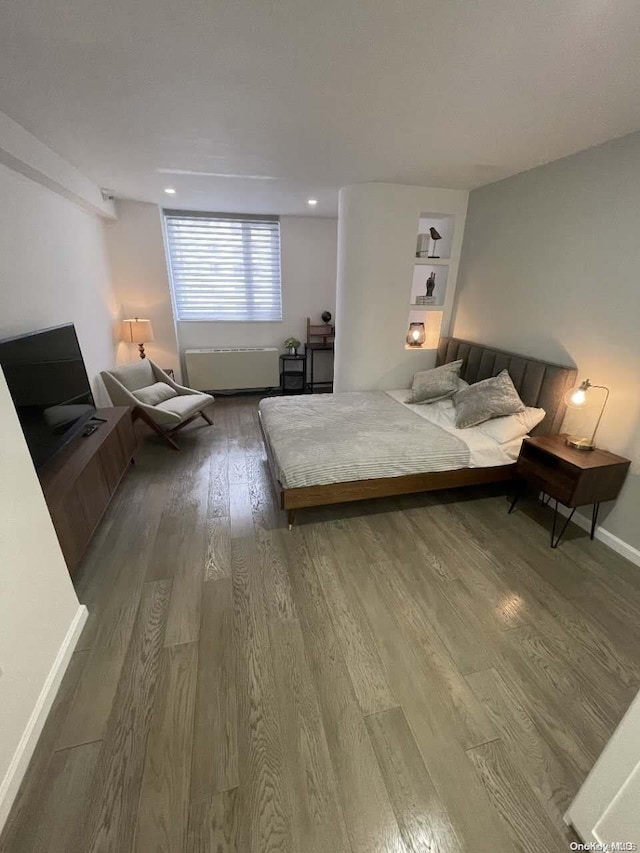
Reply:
x=377, y=233
x=138, y=264
x=22, y=152
x=550, y=268
x=308, y=258
x=53, y=270
x=135, y=248
x=37, y=603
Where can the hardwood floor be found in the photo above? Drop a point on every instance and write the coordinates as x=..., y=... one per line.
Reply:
x=406, y=675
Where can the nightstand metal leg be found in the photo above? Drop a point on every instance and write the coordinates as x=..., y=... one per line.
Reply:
x=516, y=497
x=555, y=541
x=594, y=519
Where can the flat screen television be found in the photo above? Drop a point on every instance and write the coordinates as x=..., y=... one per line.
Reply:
x=50, y=388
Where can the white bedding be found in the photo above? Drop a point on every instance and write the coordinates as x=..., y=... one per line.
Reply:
x=484, y=451
x=317, y=439
x=360, y=435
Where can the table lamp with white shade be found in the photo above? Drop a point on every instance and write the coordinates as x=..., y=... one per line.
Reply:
x=577, y=398
x=137, y=331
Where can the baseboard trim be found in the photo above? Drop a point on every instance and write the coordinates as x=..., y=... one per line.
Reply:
x=602, y=534
x=22, y=756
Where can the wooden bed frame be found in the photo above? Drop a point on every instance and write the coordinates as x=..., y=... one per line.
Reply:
x=539, y=383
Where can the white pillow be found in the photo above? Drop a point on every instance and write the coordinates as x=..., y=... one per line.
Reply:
x=510, y=427
x=154, y=394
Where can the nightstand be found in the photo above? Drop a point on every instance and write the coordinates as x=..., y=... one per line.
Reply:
x=571, y=477
x=293, y=373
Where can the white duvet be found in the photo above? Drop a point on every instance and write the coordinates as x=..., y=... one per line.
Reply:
x=484, y=450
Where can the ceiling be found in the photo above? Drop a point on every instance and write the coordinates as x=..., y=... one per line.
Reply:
x=300, y=97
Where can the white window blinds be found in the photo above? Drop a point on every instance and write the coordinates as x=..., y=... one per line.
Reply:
x=224, y=267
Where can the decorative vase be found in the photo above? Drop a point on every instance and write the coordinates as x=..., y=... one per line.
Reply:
x=293, y=351
x=422, y=248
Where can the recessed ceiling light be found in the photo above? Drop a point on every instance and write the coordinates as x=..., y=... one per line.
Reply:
x=312, y=202
x=169, y=190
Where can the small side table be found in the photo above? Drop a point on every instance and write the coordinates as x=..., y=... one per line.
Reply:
x=311, y=350
x=569, y=476
x=293, y=373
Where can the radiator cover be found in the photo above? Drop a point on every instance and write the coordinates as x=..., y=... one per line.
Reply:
x=232, y=368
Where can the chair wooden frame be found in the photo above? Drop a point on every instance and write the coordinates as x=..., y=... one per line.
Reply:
x=140, y=414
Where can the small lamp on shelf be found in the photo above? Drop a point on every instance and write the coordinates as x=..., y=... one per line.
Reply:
x=139, y=332
x=416, y=335
x=577, y=399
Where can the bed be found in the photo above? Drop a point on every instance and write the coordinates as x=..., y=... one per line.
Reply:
x=327, y=449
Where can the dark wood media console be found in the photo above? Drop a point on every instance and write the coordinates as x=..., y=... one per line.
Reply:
x=83, y=477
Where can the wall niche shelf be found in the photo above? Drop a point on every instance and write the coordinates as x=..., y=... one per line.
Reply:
x=430, y=276
x=425, y=348
x=432, y=325
x=421, y=274
x=378, y=229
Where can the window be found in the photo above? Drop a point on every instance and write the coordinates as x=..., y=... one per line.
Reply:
x=224, y=267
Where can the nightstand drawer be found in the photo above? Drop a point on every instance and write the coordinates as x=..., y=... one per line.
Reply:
x=548, y=478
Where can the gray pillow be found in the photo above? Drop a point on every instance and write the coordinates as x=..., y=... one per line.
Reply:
x=437, y=384
x=489, y=398
x=154, y=394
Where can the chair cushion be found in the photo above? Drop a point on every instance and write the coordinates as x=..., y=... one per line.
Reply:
x=138, y=374
x=185, y=405
x=154, y=394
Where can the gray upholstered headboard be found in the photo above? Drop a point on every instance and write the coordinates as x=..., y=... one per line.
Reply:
x=539, y=383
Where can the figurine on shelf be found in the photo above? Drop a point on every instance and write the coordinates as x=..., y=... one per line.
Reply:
x=435, y=236
x=431, y=286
